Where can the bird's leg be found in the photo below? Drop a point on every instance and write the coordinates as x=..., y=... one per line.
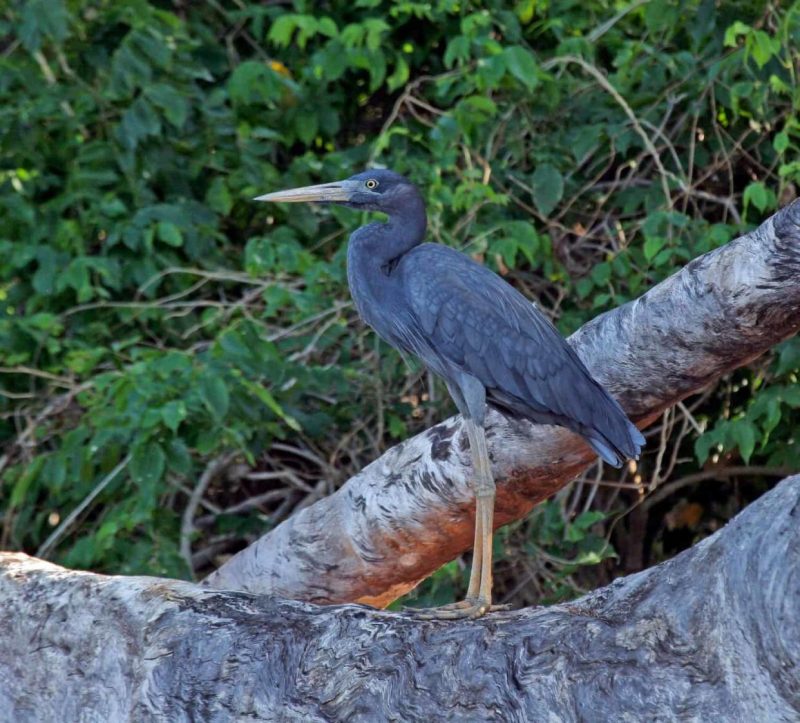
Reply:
x=473, y=590
x=479, y=593
x=484, y=517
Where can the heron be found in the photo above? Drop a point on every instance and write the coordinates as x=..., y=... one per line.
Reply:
x=489, y=343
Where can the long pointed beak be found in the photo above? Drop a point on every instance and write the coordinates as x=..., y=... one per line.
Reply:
x=325, y=192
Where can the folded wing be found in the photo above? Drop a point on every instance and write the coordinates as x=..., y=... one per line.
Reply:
x=467, y=317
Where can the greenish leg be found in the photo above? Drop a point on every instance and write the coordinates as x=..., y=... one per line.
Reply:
x=479, y=593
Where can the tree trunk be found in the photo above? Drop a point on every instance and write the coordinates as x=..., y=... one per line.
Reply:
x=412, y=510
x=711, y=635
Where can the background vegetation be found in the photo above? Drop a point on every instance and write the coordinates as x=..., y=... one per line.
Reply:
x=159, y=330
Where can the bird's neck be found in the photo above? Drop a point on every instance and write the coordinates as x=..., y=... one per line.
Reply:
x=405, y=230
x=373, y=255
x=383, y=244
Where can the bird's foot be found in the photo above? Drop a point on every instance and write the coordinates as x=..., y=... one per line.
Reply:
x=470, y=608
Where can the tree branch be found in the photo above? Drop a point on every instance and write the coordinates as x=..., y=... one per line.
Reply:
x=708, y=635
x=411, y=511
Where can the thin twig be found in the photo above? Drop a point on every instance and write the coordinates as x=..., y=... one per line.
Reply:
x=670, y=488
x=637, y=126
x=187, y=521
x=59, y=532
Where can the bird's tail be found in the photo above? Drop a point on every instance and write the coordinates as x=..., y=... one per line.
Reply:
x=627, y=442
x=605, y=426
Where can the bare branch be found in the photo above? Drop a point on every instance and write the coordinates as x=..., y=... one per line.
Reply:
x=710, y=635
x=411, y=511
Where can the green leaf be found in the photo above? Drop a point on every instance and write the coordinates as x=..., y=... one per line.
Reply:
x=781, y=142
x=218, y=196
x=169, y=233
x=791, y=395
x=214, y=394
x=788, y=356
x=526, y=238
x=522, y=65
x=352, y=35
x=173, y=413
x=584, y=287
x=586, y=519
x=601, y=273
x=147, y=464
x=762, y=47
x=590, y=557
x=259, y=255
x=663, y=257
x=306, y=125
x=375, y=30
x=22, y=485
x=652, y=245
x=50, y=265
x=43, y=19
x=327, y=27
x=704, y=444
x=400, y=75
x=507, y=248
x=573, y=533
x=253, y=82
x=281, y=30
x=734, y=31
x=759, y=195
x=172, y=103
x=457, y=51
x=744, y=434
x=660, y=15
x=525, y=10
x=266, y=397
x=138, y=122
x=548, y=188
x=491, y=71
x=397, y=427
x=178, y=457
x=76, y=277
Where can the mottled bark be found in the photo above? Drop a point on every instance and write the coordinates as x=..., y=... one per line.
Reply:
x=711, y=635
x=411, y=510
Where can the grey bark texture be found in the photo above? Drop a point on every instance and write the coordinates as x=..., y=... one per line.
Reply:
x=711, y=635
x=412, y=510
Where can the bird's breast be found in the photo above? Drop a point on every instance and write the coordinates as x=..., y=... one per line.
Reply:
x=379, y=297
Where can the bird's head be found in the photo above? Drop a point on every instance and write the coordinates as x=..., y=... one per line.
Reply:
x=373, y=190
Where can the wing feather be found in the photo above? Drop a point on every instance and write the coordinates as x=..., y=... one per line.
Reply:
x=469, y=319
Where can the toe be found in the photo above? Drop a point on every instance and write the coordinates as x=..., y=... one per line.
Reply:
x=466, y=609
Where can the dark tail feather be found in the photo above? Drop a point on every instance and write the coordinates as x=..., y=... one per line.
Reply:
x=616, y=454
x=620, y=440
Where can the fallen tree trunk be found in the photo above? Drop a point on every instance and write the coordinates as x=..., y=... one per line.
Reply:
x=412, y=510
x=709, y=635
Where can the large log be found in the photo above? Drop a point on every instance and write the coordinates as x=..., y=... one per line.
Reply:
x=711, y=635
x=411, y=511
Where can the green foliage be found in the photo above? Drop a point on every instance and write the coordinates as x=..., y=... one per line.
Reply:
x=762, y=422
x=150, y=309
x=561, y=547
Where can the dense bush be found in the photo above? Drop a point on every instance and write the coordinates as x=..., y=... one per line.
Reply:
x=155, y=320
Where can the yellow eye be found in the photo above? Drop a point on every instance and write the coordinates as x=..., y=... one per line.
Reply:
x=372, y=183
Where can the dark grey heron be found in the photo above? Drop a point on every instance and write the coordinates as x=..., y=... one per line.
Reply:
x=477, y=332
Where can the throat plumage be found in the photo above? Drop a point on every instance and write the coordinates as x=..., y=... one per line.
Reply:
x=374, y=257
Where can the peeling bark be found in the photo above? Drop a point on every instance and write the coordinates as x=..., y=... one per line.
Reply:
x=412, y=510
x=711, y=635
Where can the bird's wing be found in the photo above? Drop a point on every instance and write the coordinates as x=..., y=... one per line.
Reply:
x=469, y=316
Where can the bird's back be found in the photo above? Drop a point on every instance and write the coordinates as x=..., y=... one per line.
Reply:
x=460, y=317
